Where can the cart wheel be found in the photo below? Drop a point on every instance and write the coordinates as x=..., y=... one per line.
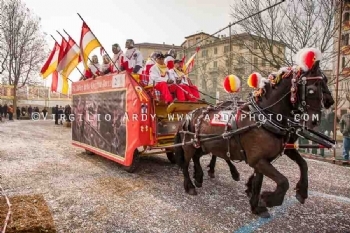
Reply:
x=89, y=152
x=135, y=162
x=171, y=157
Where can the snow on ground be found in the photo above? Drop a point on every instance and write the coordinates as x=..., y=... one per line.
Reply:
x=91, y=194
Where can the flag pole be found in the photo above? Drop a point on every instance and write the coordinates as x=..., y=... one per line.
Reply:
x=337, y=77
x=100, y=44
x=80, y=52
x=58, y=43
x=76, y=66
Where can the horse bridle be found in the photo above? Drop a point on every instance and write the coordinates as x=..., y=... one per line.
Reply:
x=298, y=95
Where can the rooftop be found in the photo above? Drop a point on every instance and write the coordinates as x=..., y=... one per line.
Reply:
x=157, y=46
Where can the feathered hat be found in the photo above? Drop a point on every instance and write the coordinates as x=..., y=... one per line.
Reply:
x=255, y=80
x=232, y=84
x=307, y=57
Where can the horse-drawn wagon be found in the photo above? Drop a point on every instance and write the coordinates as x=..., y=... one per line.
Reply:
x=120, y=120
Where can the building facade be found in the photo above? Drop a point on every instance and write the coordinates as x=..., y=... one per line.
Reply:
x=148, y=48
x=216, y=60
x=344, y=66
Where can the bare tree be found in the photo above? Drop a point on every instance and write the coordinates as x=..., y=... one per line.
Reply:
x=295, y=24
x=22, y=44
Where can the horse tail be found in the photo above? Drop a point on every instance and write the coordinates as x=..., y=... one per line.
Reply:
x=179, y=151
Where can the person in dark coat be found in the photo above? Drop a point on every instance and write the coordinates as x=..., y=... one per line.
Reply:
x=4, y=110
x=60, y=113
x=23, y=110
x=18, y=113
x=30, y=111
x=44, y=111
x=56, y=115
x=1, y=110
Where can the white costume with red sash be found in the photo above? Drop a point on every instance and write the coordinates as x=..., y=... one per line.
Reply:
x=131, y=58
x=145, y=73
x=117, y=59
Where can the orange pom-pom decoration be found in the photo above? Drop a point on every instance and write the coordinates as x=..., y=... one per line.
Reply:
x=232, y=83
x=253, y=80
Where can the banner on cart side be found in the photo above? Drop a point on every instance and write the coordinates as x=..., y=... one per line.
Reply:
x=101, y=125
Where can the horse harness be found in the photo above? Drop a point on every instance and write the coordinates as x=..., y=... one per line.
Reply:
x=232, y=129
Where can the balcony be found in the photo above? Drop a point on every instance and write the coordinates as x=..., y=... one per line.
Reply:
x=345, y=49
x=346, y=72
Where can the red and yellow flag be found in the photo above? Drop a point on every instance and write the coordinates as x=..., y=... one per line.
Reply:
x=88, y=42
x=51, y=63
x=188, y=67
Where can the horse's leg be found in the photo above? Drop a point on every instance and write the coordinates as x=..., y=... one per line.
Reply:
x=255, y=181
x=270, y=199
x=249, y=185
x=188, y=185
x=233, y=170
x=212, y=167
x=198, y=172
x=302, y=185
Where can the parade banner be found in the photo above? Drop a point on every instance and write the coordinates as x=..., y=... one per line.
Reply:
x=7, y=92
x=111, y=117
x=22, y=93
x=38, y=92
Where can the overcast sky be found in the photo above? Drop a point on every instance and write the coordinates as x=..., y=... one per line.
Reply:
x=114, y=21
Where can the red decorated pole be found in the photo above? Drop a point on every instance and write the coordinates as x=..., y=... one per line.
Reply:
x=302, y=146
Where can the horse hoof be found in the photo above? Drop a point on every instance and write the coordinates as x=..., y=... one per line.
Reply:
x=300, y=198
x=197, y=184
x=192, y=192
x=262, y=202
x=211, y=174
x=265, y=214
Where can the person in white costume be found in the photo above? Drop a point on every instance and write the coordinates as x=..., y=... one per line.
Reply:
x=159, y=77
x=131, y=60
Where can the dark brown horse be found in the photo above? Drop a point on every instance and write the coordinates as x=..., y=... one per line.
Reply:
x=302, y=185
x=259, y=142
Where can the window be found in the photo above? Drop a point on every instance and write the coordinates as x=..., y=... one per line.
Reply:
x=198, y=39
x=226, y=49
x=263, y=63
x=240, y=60
x=256, y=45
x=215, y=50
x=204, y=53
x=346, y=39
x=215, y=64
x=346, y=16
x=343, y=62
